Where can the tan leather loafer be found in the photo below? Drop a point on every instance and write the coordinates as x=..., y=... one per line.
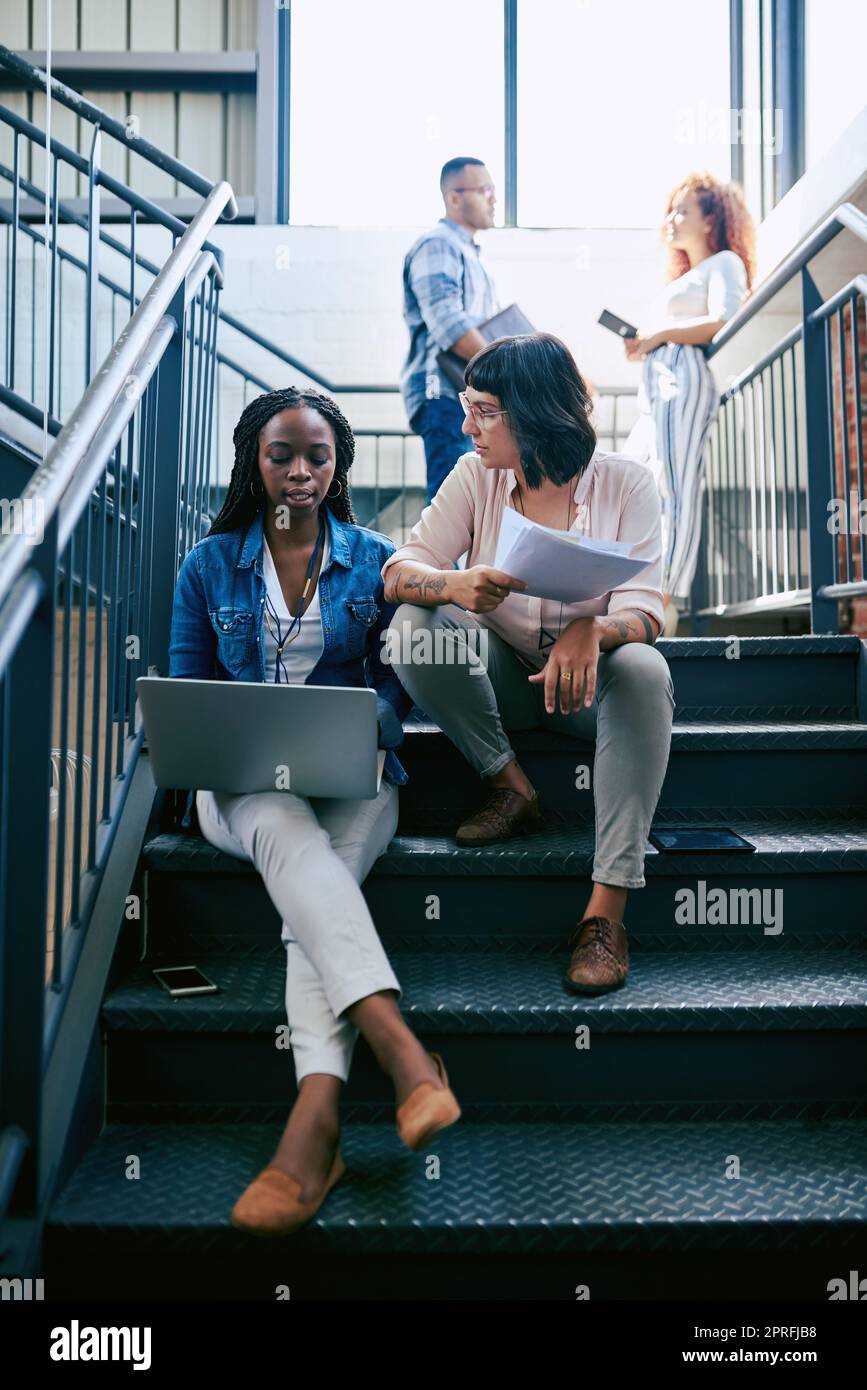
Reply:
x=427, y=1110
x=271, y=1205
x=501, y=816
x=600, y=959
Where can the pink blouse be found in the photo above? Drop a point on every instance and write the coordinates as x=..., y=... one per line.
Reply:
x=616, y=500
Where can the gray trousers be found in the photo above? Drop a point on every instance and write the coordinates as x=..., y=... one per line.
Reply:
x=629, y=720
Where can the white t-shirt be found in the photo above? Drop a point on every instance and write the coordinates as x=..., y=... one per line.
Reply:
x=301, y=655
x=715, y=288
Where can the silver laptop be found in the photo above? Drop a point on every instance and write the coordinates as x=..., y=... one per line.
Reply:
x=249, y=736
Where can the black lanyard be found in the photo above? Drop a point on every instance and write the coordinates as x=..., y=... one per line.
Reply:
x=295, y=625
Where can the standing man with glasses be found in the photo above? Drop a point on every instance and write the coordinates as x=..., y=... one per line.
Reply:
x=447, y=294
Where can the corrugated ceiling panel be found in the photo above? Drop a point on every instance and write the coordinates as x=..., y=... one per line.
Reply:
x=201, y=25
x=200, y=133
x=64, y=24
x=152, y=25
x=242, y=24
x=156, y=116
x=241, y=143
x=103, y=25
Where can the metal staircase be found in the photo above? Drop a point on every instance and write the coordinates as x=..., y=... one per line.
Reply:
x=605, y=1159
x=705, y=1136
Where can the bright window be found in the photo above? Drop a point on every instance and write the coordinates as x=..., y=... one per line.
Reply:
x=836, y=37
x=617, y=101
x=383, y=92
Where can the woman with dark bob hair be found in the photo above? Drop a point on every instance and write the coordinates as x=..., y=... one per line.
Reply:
x=586, y=669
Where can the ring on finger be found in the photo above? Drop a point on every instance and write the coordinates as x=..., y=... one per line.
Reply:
x=565, y=675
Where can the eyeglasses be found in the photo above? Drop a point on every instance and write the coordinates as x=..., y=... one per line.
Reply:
x=486, y=188
x=481, y=417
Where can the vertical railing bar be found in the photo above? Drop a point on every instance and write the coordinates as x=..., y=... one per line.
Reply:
x=92, y=282
x=763, y=509
x=83, y=601
x=785, y=491
x=219, y=441
x=133, y=222
x=198, y=423
x=741, y=512
x=63, y=745
x=825, y=328
x=122, y=587
x=35, y=320
x=859, y=436
x=844, y=433
x=55, y=345
x=133, y=493
x=725, y=516
x=96, y=709
x=188, y=340
x=209, y=416
x=60, y=340
x=149, y=503
x=710, y=493
x=775, y=538
x=144, y=538
x=207, y=314
x=819, y=464
x=13, y=287
x=754, y=536
x=113, y=636
x=796, y=446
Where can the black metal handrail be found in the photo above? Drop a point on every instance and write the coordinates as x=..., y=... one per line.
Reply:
x=780, y=458
x=90, y=567
x=36, y=78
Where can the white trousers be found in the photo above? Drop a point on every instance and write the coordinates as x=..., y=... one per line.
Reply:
x=312, y=855
x=678, y=402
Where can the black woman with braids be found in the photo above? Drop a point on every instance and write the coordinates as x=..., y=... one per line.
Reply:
x=286, y=587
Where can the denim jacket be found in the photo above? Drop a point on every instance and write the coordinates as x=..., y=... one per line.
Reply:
x=219, y=610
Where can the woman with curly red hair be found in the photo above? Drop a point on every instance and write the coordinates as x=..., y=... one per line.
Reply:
x=710, y=238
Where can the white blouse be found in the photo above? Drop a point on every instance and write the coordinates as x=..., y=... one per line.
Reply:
x=301, y=655
x=715, y=289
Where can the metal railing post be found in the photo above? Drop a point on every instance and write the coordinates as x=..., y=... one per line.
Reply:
x=165, y=489
x=90, y=320
x=824, y=616
x=28, y=738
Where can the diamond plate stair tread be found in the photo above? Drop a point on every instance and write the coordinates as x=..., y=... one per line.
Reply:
x=483, y=992
x=698, y=648
x=716, y=736
x=510, y=1188
x=830, y=845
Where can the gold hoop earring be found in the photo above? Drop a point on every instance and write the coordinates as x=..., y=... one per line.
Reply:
x=334, y=495
x=254, y=491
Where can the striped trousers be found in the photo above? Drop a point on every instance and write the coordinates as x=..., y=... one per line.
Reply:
x=678, y=401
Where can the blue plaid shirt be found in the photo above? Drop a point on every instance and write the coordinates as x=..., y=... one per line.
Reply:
x=446, y=292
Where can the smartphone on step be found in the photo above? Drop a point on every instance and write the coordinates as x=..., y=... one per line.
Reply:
x=710, y=839
x=181, y=980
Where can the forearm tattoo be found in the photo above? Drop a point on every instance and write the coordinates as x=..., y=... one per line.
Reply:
x=626, y=626
x=422, y=585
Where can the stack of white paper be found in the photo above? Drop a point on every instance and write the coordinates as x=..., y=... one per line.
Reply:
x=560, y=564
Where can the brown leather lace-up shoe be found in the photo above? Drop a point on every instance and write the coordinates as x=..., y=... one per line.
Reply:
x=600, y=959
x=502, y=815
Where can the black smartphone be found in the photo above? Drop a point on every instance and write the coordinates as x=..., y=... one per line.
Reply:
x=706, y=840
x=181, y=980
x=618, y=326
